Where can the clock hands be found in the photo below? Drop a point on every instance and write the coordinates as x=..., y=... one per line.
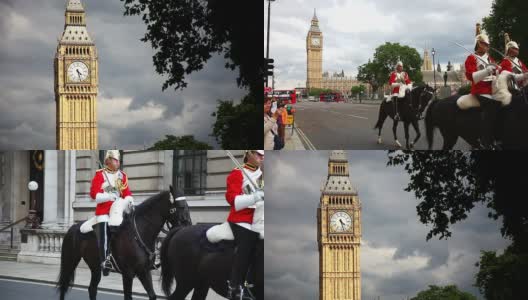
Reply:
x=79, y=73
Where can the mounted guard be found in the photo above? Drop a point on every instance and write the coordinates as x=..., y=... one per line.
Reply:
x=112, y=194
x=511, y=63
x=401, y=84
x=481, y=70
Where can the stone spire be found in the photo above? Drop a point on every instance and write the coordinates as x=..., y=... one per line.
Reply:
x=315, y=23
x=338, y=181
x=75, y=25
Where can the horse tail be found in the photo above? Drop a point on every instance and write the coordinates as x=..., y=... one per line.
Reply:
x=167, y=274
x=382, y=115
x=70, y=257
x=429, y=124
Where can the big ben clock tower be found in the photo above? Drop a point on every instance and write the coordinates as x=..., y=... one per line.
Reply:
x=339, y=233
x=76, y=80
x=314, y=55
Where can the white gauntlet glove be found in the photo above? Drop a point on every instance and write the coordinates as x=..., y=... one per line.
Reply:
x=491, y=69
x=104, y=197
x=520, y=77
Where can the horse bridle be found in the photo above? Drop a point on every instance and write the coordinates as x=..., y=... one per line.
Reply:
x=137, y=236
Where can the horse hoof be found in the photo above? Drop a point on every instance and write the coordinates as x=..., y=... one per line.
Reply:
x=398, y=144
x=379, y=140
x=411, y=146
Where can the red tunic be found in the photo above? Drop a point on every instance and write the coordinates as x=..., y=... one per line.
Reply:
x=392, y=80
x=97, y=183
x=472, y=65
x=234, y=188
x=507, y=65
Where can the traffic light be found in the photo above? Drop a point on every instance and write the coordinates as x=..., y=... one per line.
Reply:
x=268, y=66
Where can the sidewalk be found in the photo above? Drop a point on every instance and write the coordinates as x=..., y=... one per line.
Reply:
x=48, y=274
x=292, y=140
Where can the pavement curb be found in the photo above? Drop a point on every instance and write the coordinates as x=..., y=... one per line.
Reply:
x=77, y=286
x=294, y=141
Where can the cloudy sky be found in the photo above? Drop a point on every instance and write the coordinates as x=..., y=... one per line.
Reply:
x=396, y=259
x=353, y=29
x=133, y=112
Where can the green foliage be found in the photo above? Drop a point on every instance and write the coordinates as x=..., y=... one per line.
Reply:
x=356, y=90
x=450, y=292
x=317, y=91
x=464, y=90
x=450, y=183
x=377, y=71
x=238, y=126
x=503, y=277
x=184, y=34
x=186, y=142
x=508, y=16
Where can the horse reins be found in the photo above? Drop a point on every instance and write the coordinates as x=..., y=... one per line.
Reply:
x=137, y=237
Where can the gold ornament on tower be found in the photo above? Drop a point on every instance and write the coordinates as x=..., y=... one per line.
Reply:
x=339, y=233
x=76, y=83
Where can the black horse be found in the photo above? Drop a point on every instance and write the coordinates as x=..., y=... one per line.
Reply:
x=196, y=265
x=511, y=126
x=132, y=246
x=410, y=108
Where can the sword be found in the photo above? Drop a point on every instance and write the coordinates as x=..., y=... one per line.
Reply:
x=237, y=164
x=470, y=52
x=503, y=56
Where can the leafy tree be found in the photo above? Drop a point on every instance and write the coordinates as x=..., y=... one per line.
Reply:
x=450, y=292
x=236, y=127
x=185, y=35
x=377, y=71
x=186, y=142
x=356, y=90
x=503, y=277
x=507, y=16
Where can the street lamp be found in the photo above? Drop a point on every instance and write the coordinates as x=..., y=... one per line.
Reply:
x=32, y=220
x=267, y=45
x=433, y=52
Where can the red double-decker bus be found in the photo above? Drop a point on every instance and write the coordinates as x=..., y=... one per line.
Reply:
x=285, y=96
x=331, y=97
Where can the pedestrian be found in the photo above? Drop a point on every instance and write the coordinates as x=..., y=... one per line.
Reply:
x=270, y=125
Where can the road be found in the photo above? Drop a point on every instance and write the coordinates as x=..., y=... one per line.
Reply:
x=23, y=290
x=350, y=126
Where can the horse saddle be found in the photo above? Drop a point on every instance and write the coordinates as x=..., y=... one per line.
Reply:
x=221, y=232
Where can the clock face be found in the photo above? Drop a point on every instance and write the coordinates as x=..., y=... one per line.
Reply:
x=77, y=72
x=340, y=222
x=316, y=41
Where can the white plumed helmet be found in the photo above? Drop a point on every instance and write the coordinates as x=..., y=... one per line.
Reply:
x=112, y=154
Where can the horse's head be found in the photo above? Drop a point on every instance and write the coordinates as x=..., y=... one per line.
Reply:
x=178, y=213
x=420, y=97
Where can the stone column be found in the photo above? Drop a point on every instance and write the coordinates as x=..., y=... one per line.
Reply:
x=51, y=190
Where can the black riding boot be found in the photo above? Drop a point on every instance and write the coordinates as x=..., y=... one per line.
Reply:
x=395, y=105
x=245, y=241
x=489, y=109
x=101, y=232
